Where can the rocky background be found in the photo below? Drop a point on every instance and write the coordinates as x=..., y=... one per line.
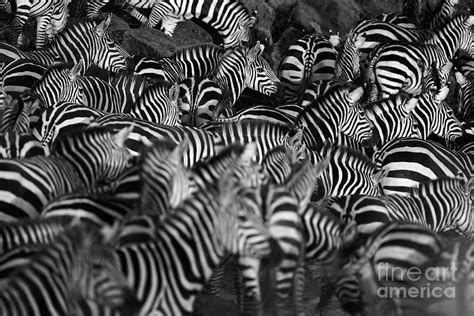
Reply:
x=280, y=23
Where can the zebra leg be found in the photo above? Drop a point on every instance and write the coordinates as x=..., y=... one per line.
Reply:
x=212, y=287
x=43, y=26
x=21, y=16
x=299, y=281
x=250, y=287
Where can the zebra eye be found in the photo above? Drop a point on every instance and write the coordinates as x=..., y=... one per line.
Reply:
x=260, y=69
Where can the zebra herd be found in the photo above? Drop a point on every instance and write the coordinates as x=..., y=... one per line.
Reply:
x=130, y=194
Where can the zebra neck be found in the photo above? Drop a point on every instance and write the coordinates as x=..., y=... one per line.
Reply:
x=196, y=244
x=44, y=56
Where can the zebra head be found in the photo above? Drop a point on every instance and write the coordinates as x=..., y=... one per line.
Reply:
x=108, y=54
x=242, y=230
x=165, y=180
x=242, y=34
x=354, y=123
x=293, y=141
x=97, y=154
x=259, y=75
x=60, y=83
x=444, y=123
x=94, y=274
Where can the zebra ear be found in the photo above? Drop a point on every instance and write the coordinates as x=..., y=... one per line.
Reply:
x=177, y=153
x=410, y=105
x=103, y=26
x=355, y=95
x=470, y=20
x=255, y=52
x=442, y=94
x=174, y=92
x=77, y=70
x=122, y=135
x=360, y=41
x=460, y=78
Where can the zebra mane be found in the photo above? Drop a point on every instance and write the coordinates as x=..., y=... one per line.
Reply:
x=338, y=85
x=181, y=51
x=123, y=78
x=89, y=132
x=157, y=144
x=73, y=24
x=331, y=149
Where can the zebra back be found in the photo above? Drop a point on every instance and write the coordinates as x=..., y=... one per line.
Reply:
x=15, y=145
x=20, y=75
x=94, y=209
x=16, y=115
x=202, y=144
x=407, y=162
x=265, y=135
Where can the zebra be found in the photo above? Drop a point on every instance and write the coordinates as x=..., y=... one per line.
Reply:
x=13, y=235
x=229, y=18
x=310, y=58
x=465, y=108
x=15, y=116
x=95, y=209
x=59, y=83
x=244, y=67
x=213, y=228
x=324, y=121
x=407, y=162
x=189, y=61
x=265, y=135
x=396, y=247
x=440, y=16
x=434, y=116
x=349, y=172
x=20, y=75
x=347, y=61
x=76, y=162
x=87, y=270
x=440, y=205
x=392, y=118
x=412, y=10
x=464, y=64
x=401, y=66
x=86, y=40
x=14, y=145
x=164, y=180
x=51, y=16
x=6, y=6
